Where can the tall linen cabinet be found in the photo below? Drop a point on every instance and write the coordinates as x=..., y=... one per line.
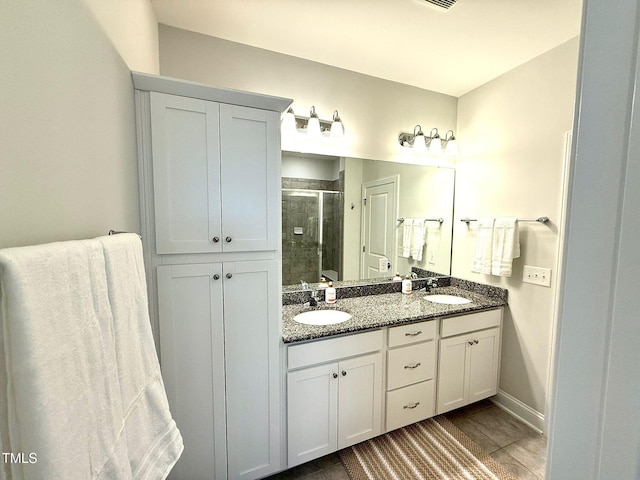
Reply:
x=209, y=175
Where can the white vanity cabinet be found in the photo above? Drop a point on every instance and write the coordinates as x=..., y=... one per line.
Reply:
x=215, y=176
x=469, y=359
x=220, y=363
x=334, y=394
x=411, y=368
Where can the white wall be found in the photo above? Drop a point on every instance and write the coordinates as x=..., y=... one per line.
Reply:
x=511, y=132
x=374, y=111
x=68, y=166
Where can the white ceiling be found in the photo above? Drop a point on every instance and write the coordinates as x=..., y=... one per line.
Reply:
x=405, y=41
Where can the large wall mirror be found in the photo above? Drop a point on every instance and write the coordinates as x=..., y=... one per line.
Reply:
x=329, y=229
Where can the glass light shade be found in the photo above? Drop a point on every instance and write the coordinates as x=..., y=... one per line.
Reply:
x=313, y=127
x=419, y=143
x=289, y=121
x=451, y=148
x=435, y=147
x=337, y=130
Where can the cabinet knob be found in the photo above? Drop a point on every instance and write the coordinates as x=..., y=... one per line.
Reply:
x=344, y=373
x=335, y=375
x=215, y=239
x=216, y=276
x=228, y=239
x=229, y=275
x=476, y=342
x=412, y=406
x=415, y=365
x=470, y=342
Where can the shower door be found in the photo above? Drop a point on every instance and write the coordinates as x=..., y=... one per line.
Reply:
x=311, y=235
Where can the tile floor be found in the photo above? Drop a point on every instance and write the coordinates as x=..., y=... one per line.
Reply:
x=516, y=446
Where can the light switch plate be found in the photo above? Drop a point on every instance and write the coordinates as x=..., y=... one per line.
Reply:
x=536, y=275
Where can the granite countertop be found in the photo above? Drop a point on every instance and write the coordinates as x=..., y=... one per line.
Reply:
x=375, y=311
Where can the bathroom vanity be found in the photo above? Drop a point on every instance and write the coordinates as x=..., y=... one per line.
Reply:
x=400, y=359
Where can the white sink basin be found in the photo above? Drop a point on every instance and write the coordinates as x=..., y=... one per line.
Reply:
x=448, y=299
x=322, y=317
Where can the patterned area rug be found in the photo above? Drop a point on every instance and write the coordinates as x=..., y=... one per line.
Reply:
x=431, y=449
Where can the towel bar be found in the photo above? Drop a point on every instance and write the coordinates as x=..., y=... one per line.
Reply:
x=539, y=220
x=115, y=232
x=439, y=220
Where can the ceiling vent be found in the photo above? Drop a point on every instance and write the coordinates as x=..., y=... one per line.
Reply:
x=444, y=4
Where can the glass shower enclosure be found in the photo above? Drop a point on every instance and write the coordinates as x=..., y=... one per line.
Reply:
x=311, y=235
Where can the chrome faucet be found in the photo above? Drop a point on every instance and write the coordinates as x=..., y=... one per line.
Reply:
x=305, y=285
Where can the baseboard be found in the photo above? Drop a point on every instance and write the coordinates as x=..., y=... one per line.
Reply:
x=520, y=410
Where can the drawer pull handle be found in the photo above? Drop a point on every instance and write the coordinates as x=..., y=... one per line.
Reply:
x=412, y=406
x=416, y=365
x=413, y=334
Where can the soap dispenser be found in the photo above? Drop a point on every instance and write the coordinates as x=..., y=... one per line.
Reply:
x=323, y=283
x=397, y=278
x=330, y=294
x=406, y=284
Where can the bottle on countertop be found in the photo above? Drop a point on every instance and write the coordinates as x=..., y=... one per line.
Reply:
x=406, y=284
x=397, y=278
x=330, y=294
x=323, y=283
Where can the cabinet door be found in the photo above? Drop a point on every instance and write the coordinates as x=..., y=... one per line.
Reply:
x=252, y=355
x=483, y=364
x=359, y=399
x=186, y=174
x=192, y=361
x=250, y=152
x=312, y=398
x=452, y=369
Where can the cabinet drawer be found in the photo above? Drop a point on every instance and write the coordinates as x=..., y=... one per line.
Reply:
x=410, y=364
x=333, y=349
x=412, y=333
x=470, y=322
x=410, y=404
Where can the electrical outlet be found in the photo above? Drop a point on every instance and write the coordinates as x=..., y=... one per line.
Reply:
x=537, y=275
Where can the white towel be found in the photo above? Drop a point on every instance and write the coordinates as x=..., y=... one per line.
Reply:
x=417, y=238
x=506, y=246
x=484, y=246
x=67, y=391
x=434, y=234
x=153, y=440
x=407, y=235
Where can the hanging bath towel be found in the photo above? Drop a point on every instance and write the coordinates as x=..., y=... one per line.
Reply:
x=407, y=232
x=484, y=246
x=506, y=246
x=417, y=239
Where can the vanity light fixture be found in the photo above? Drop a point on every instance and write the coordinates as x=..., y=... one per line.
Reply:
x=418, y=141
x=312, y=125
x=451, y=144
x=435, y=145
x=337, y=129
x=289, y=120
